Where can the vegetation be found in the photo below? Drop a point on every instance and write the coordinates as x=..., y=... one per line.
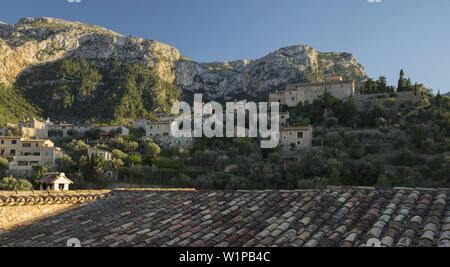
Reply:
x=12, y=184
x=109, y=91
x=14, y=106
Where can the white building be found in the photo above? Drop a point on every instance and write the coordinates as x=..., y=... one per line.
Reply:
x=55, y=181
x=106, y=155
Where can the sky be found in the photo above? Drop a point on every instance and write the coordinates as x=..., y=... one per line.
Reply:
x=384, y=35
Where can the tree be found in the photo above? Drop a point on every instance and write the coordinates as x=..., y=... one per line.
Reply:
x=3, y=166
x=76, y=149
x=12, y=184
x=334, y=177
x=93, y=167
x=382, y=84
x=151, y=149
x=65, y=164
x=383, y=181
x=134, y=159
x=124, y=145
x=401, y=81
x=118, y=154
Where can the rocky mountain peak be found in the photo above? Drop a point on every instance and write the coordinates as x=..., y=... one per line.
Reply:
x=36, y=41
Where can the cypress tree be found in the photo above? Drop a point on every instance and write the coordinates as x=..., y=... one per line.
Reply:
x=401, y=81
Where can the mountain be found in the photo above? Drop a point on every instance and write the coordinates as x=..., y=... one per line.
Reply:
x=74, y=71
x=255, y=78
x=447, y=94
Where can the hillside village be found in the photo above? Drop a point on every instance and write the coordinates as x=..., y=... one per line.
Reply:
x=331, y=133
x=277, y=143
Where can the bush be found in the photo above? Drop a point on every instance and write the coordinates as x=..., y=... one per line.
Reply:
x=389, y=103
x=167, y=164
x=383, y=181
x=12, y=184
x=181, y=181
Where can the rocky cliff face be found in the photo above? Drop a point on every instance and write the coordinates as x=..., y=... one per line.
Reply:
x=255, y=78
x=35, y=41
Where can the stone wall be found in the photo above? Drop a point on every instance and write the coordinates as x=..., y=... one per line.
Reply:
x=23, y=206
x=400, y=97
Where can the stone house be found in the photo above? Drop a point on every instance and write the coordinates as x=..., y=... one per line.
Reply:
x=24, y=153
x=55, y=181
x=296, y=138
x=302, y=92
x=35, y=128
x=159, y=131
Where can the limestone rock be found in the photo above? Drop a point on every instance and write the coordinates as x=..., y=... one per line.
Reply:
x=35, y=41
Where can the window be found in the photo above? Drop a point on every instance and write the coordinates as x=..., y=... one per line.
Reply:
x=151, y=127
x=61, y=186
x=14, y=142
x=26, y=144
x=3, y=141
x=299, y=134
x=299, y=143
x=13, y=152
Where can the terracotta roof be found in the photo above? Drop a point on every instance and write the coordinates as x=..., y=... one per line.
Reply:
x=21, y=198
x=322, y=217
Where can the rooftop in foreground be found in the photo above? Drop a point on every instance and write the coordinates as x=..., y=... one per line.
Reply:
x=322, y=217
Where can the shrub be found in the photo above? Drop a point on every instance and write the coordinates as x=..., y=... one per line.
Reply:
x=383, y=181
x=389, y=103
x=12, y=184
x=167, y=164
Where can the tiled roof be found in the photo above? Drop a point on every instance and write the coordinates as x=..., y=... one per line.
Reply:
x=21, y=198
x=346, y=217
x=53, y=176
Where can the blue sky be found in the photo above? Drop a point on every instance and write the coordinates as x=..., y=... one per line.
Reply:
x=385, y=37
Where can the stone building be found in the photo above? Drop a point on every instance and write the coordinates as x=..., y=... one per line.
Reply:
x=302, y=92
x=159, y=131
x=24, y=153
x=35, y=128
x=296, y=138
